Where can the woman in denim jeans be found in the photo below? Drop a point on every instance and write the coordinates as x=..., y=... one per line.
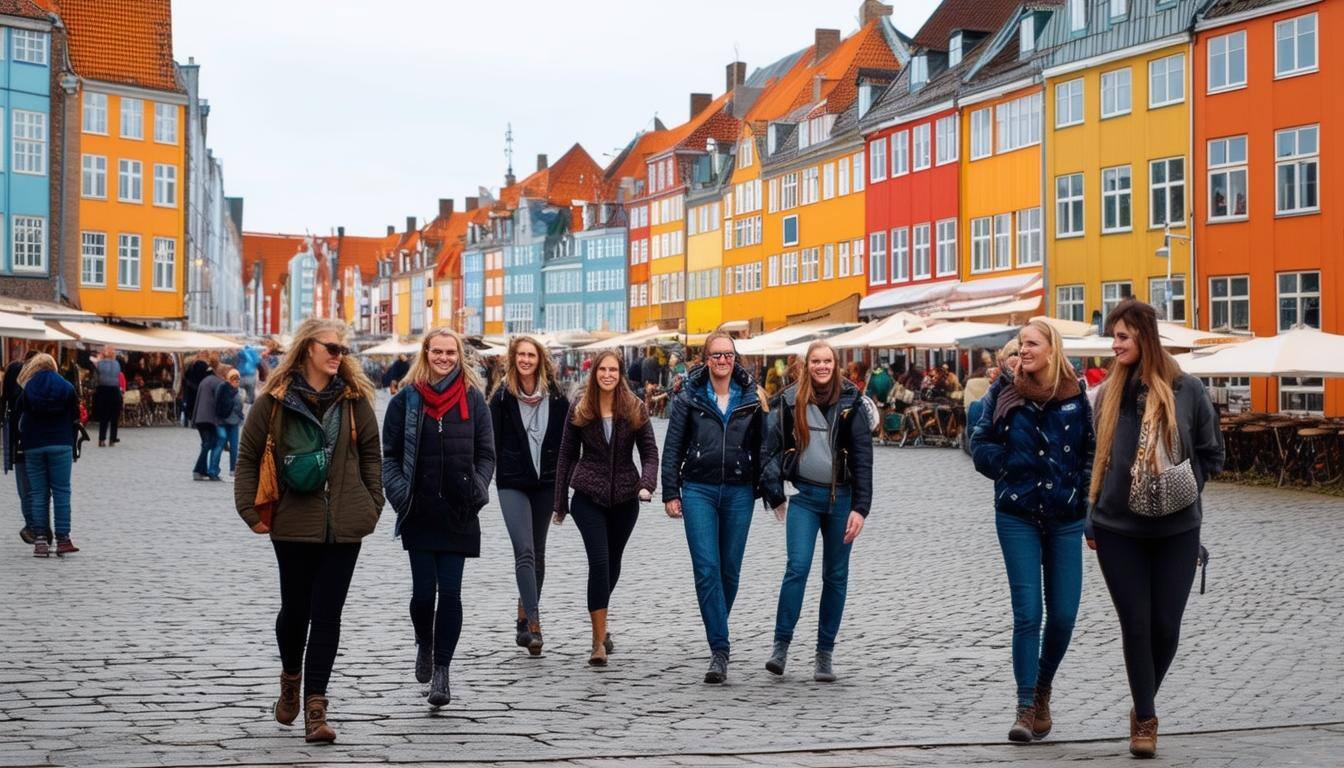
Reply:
x=1034, y=440
x=229, y=419
x=818, y=439
x=48, y=412
x=711, y=463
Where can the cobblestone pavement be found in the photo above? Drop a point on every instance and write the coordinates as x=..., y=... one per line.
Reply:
x=154, y=645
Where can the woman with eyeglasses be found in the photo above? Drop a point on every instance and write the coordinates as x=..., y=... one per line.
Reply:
x=711, y=468
x=819, y=440
x=316, y=415
x=438, y=458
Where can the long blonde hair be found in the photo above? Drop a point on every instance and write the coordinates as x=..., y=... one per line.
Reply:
x=297, y=357
x=512, y=380
x=808, y=393
x=624, y=403
x=420, y=371
x=37, y=363
x=1058, y=365
x=1156, y=370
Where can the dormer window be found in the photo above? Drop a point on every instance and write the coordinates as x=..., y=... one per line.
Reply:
x=866, y=93
x=954, y=50
x=1077, y=15
x=1119, y=8
x=919, y=71
x=745, y=152
x=1027, y=35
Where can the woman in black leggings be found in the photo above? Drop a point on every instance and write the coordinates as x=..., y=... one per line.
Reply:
x=1150, y=419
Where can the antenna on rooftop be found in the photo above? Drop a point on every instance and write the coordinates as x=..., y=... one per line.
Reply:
x=508, y=146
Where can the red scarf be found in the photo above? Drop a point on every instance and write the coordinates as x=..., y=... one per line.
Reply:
x=439, y=403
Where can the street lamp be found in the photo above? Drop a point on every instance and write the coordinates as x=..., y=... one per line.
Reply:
x=1165, y=253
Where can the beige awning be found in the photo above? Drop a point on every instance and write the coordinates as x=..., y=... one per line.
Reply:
x=120, y=337
x=777, y=341
x=20, y=327
x=193, y=340
x=393, y=347
x=632, y=339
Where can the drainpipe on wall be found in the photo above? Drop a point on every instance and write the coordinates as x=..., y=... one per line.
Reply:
x=69, y=85
x=1192, y=201
x=1045, y=207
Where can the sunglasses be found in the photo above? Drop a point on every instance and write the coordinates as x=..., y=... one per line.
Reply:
x=722, y=355
x=334, y=349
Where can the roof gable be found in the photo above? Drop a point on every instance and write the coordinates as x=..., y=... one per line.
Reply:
x=129, y=42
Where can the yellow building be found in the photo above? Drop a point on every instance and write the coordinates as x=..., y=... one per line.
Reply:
x=704, y=250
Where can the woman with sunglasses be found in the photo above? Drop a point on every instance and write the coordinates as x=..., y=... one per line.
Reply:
x=711, y=466
x=317, y=410
x=438, y=458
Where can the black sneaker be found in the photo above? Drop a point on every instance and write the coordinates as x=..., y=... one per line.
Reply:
x=718, y=668
x=778, y=658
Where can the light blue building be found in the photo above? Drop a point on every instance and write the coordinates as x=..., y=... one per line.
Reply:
x=600, y=248
x=25, y=176
x=539, y=230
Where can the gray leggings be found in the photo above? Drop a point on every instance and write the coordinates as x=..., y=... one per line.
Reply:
x=527, y=515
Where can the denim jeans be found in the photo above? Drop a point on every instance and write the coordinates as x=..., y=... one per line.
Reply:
x=1036, y=554
x=717, y=519
x=207, y=433
x=226, y=436
x=49, y=486
x=811, y=511
x=25, y=496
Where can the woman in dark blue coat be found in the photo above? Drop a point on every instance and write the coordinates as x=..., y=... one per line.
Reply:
x=1034, y=439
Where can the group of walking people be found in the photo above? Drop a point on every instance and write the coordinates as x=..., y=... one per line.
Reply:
x=313, y=473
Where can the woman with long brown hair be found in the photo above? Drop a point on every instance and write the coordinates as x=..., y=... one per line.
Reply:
x=819, y=440
x=604, y=428
x=316, y=416
x=1158, y=440
x=438, y=458
x=528, y=411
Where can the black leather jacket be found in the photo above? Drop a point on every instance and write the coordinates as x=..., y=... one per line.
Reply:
x=699, y=447
x=851, y=444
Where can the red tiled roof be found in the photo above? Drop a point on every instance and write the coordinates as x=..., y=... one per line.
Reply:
x=970, y=15
x=25, y=9
x=360, y=252
x=273, y=251
x=865, y=49
x=122, y=41
x=451, y=232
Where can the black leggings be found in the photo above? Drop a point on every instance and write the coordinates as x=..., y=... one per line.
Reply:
x=605, y=531
x=314, y=580
x=1149, y=581
x=437, y=573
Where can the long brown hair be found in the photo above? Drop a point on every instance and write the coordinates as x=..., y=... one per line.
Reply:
x=512, y=380
x=624, y=406
x=1156, y=370
x=37, y=363
x=294, y=360
x=420, y=371
x=809, y=393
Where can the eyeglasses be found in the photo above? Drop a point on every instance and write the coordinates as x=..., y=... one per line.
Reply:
x=722, y=355
x=334, y=349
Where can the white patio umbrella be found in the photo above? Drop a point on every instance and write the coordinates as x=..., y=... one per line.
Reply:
x=1299, y=352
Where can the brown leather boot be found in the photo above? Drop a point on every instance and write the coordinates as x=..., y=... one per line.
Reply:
x=1142, y=736
x=288, y=705
x=1041, y=701
x=1023, y=725
x=599, y=655
x=535, y=641
x=315, y=725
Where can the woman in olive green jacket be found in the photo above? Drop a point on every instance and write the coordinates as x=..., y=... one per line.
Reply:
x=317, y=408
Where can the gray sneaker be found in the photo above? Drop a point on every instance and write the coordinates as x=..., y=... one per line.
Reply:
x=718, y=668
x=824, y=673
x=778, y=657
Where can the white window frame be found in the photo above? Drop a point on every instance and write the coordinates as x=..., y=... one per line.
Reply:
x=135, y=181
x=828, y=181
x=30, y=46
x=94, y=113
x=1293, y=28
x=857, y=177
x=1169, y=71
x=1298, y=295
x=1297, y=159
x=129, y=260
x=1221, y=61
x=131, y=114
x=947, y=258
x=877, y=255
x=1114, y=292
x=1118, y=9
x=922, y=264
x=1227, y=163
x=1067, y=299
x=877, y=161
x=1077, y=16
x=1117, y=83
x=948, y=140
x=1306, y=387
x=1117, y=199
x=922, y=154
x=28, y=136
x=93, y=178
x=1157, y=286
x=165, y=123
x=1026, y=34
x=982, y=256
x=842, y=167
x=828, y=262
x=1003, y=241
x=165, y=269
x=93, y=251
x=1167, y=185
x=900, y=153
x=842, y=259
x=1071, y=94
x=900, y=255
x=165, y=185
x=1229, y=302
x=28, y=244
x=1072, y=200
x=1030, y=246
x=982, y=134
x=1019, y=122
x=783, y=230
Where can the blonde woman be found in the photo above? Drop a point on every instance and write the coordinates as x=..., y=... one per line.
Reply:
x=1147, y=407
x=1034, y=439
x=47, y=412
x=527, y=412
x=438, y=457
x=317, y=407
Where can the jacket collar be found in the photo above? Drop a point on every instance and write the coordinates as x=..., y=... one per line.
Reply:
x=848, y=394
x=697, y=379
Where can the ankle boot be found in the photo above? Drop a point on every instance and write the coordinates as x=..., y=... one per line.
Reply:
x=534, y=644
x=439, y=694
x=824, y=673
x=1041, y=701
x=778, y=657
x=522, y=638
x=599, y=655
x=1023, y=725
x=718, y=668
x=424, y=660
x=316, y=730
x=1142, y=736
x=288, y=705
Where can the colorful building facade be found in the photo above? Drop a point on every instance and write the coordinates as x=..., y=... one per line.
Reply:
x=27, y=241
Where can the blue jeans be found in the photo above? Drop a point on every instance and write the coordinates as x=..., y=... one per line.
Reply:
x=207, y=433
x=25, y=502
x=226, y=436
x=717, y=519
x=49, y=481
x=810, y=511
x=1034, y=553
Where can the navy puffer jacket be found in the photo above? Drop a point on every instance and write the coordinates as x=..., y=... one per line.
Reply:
x=1039, y=456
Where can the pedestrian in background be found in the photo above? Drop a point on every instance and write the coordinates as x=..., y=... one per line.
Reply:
x=1152, y=421
x=228, y=420
x=315, y=415
x=9, y=394
x=819, y=440
x=206, y=422
x=1034, y=439
x=249, y=359
x=438, y=458
x=527, y=412
x=197, y=371
x=711, y=468
x=48, y=431
x=605, y=426
x=107, y=396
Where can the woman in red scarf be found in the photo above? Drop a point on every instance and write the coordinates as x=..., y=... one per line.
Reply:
x=438, y=458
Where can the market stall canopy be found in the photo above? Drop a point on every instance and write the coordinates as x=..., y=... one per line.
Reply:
x=936, y=336
x=997, y=307
x=892, y=299
x=393, y=347
x=860, y=336
x=1088, y=346
x=775, y=342
x=20, y=327
x=1299, y=352
x=121, y=337
x=1075, y=328
x=192, y=341
x=1177, y=336
x=632, y=339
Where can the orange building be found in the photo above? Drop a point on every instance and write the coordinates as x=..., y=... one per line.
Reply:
x=1268, y=240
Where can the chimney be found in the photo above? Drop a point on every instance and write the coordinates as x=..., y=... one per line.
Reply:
x=510, y=179
x=445, y=207
x=391, y=229
x=699, y=101
x=827, y=40
x=737, y=75
x=872, y=9
x=472, y=203
x=541, y=162
x=410, y=223
x=340, y=232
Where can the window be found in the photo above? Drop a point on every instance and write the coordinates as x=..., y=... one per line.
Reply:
x=828, y=262
x=877, y=254
x=1166, y=81
x=1119, y=8
x=1227, y=178
x=1166, y=195
x=791, y=268
x=858, y=257
x=788, y=197
x=947, y=247
x=900, y=153
x=877, y=160
x=30, y=244
x=811, y=184
x=30, y=142
x=1069, y=103
x=844, y=259
x=1069, y=303
x=1019, y=122
x=828, y=181
x=981, y=134
x=1227, y=61
x=128, y=261
x=790, y=234
x=1026, y=34
x=1003, y=241
x=1230, y=303
x=132, y=118
x=1302, y=395
x=1299, y=300
x=1116, y=187
x=811, y=266
x=30, y=46
x=922, y=267
x=1296, y=169
x=857, y=178
x=1295, y=46
x=745, y=153
x=843, y=168
x=93, y=258
x=1115, y=93
x=947, y=140
x=921, y=147
x=165, y=270
x=954, y=50
x=128, y=182
x=1114, y=293
x=981, y=258
x=95, y=176
x=1029, y=247
x=1069, y=205
x=1077, y=15
x=1157, y=296
x=165, y=123
x=95, y=112
x=919, y=71
x=165, y=184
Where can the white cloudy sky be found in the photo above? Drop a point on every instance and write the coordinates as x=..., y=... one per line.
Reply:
x=360, y=113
